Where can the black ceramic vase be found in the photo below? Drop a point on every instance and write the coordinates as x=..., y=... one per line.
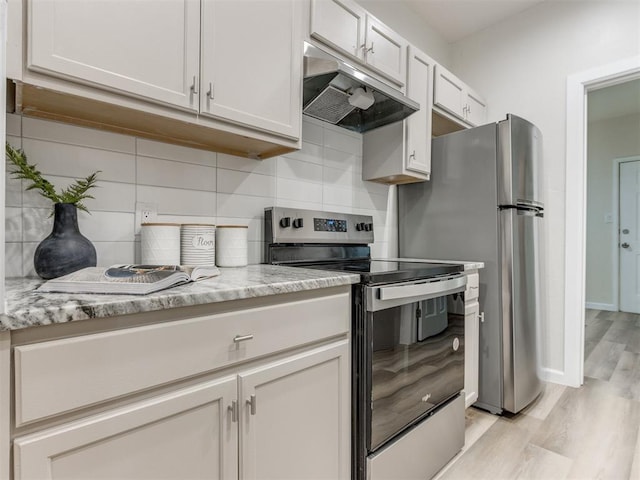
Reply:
x=65, y=250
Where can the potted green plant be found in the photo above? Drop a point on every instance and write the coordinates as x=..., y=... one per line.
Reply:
x=65, y=250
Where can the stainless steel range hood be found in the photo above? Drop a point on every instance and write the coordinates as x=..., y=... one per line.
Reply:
x=338, y=93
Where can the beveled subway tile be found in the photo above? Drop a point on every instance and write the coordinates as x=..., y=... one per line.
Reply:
x=299, y=170
x=12, y=224
x=75, y=135
x=13, y=259
x=75, y=161
x=246, y=183
x=14, y=125
x=113, y=253
x=167, y=173
x=178, y=201
x=167, y=151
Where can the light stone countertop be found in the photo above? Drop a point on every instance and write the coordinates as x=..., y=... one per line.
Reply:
x=29, y=308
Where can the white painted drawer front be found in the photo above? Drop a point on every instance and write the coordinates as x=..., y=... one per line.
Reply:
x=62, y=375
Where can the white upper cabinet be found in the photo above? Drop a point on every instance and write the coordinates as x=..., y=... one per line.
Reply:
x=420, y=89
x=348, y=28
x=401, y=152
x=252, y=63
x=453, y=96
x=149, y=49
x=340, y=24
x=219, y=74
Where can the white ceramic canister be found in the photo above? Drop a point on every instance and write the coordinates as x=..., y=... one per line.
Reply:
x=197, y=244
x=231, y=245
x=160, y=244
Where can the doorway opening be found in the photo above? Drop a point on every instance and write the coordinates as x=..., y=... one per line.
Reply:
x=578, y=86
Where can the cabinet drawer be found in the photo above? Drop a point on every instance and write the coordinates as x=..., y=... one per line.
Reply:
x=61, y=375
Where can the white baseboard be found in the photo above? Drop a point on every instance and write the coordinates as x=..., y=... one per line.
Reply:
x=609, y=307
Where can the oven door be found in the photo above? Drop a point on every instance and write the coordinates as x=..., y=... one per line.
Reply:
x=413, y=353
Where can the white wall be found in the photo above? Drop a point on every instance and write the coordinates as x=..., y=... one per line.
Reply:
x=404, y=21
x=521, y=66
x=607, y=140
x=188, y=186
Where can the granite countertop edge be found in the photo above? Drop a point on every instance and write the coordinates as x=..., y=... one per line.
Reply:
x=27, y=307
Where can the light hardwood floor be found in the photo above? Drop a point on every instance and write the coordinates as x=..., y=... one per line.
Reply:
x=591, y=432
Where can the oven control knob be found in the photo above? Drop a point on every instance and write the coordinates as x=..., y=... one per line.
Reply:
x=368, y=227
x=285, y=222
x=360, y=226
x=298, y=223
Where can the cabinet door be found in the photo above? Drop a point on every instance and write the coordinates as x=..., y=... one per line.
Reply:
x=386, y=51
x=189, y=433
x=471, y=351
x=341, y=24
x=296, y=417
x=419, y=88
x=252, y=63
x=449, y=92
x=476, y=109
x=148, y=49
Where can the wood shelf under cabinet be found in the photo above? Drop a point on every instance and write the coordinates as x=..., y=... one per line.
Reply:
x=44, y=103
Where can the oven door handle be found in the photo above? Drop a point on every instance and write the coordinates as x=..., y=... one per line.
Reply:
x=420, y=289
x=380, y=298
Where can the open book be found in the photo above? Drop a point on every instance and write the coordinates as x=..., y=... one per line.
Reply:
x=131, y=279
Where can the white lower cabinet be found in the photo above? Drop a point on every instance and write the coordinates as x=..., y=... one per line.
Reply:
x=184, y=434
x=252, y=393
x=293, y=417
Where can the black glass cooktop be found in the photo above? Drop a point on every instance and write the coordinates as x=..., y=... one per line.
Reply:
x=387, y=271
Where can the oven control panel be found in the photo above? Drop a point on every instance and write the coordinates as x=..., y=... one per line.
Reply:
x=293, y=225
x=329, y=225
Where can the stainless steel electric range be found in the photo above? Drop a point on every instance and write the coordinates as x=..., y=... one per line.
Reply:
x=407, y=342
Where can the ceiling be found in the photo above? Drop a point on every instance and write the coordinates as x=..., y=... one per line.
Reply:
x=457, y=19
x=615, y=101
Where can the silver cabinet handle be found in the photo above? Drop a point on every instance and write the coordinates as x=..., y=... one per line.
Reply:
x=625, y=245
x=242, y=338
x=413, y=155
x=210, y=91
x=481, y=317
x=234, y=411
x=252, y=403
x=370, y=49
x=194, y=86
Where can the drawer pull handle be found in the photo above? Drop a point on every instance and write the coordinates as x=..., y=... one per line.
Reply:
x=242, y=338
x=252, y=403
x=234, y=411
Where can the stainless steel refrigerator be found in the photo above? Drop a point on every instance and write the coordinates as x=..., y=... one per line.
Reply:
x=484, y=203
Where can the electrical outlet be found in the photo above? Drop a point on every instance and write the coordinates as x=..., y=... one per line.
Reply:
x=146, y=213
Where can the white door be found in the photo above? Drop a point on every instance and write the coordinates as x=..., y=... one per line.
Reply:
x=189, y=433
x=295, y=423
x=629, y=237
x=148, y=49
x=253, y=75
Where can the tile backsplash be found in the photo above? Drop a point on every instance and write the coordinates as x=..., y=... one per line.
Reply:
x=187, y=186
